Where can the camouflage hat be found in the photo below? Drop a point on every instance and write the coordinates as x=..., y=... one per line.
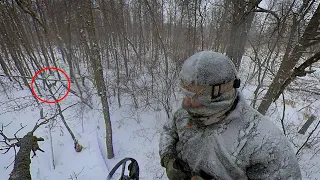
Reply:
x=208, y=68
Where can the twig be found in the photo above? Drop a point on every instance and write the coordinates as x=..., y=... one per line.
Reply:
x=26, y=7
x=305, y=90
x=42, y=123
x=69, y=107
x=8, y=148
x=9, y=165
x=28, y=77
x=307, y=106
x=56, y=92
x=283, y=115
x=298, y=72
x=76, y=175
x=260, y=9
x=47, y=120
x=6, y=125
x=15, y=134
x=76, y=94
x=7, y=140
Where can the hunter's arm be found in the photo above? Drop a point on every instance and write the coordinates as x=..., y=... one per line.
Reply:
x=168, y=140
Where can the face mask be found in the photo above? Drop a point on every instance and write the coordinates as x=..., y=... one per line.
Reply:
x=202, y=99
x=213, y=110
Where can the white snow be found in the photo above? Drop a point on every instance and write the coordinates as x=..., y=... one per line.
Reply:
x=135, y=134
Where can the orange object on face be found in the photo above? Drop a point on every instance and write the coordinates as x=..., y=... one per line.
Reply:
x=189, y=126
x=191, y=102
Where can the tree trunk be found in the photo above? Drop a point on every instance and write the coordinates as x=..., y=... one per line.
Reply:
x=241, y=24
x=289, y=63
x=98, y=75
x=159, y=37
x=21, y=168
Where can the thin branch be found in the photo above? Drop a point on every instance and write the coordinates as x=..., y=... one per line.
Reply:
x=21, y=127
x=8, y=148
x=27, y=9
x=260, y=9
x=38, y=78
x=9, y=164
x=307, y=105
x=47, y=120
x=69, y=107
x=76, y=94
x=305, y=90
x=299, y=71
x=283, y=115
x=42, y=123
x=13, y=145
x=6, y=125
x=6, y=139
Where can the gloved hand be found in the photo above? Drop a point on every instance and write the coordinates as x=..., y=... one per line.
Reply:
x=174, y=172
x=197, y=178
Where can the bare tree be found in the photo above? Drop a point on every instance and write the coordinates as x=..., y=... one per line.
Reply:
x=29, y=142
x=291, y=58
x=98, y=73
x=242, y=17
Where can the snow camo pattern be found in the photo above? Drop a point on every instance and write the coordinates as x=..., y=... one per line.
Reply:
x=198, y=67
x=214, y=111
x=244, y=145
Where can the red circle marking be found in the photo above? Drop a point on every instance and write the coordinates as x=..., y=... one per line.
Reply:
x=50, y=68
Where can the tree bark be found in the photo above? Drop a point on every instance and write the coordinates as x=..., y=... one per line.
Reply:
x=241, y=24
x=98, y=75
x=21, y=168
x=287, y=64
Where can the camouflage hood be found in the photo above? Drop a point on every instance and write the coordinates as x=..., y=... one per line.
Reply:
x=243, y=145
x=203, y=72
x=213, y=112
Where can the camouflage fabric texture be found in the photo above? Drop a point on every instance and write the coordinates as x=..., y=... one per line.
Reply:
x=243, y=145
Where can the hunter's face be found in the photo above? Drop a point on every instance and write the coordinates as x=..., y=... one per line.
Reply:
x=191, y=102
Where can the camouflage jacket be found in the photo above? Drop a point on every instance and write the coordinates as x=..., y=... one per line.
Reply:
x=244, y=145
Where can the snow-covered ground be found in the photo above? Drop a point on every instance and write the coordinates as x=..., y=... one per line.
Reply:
x=135, y=134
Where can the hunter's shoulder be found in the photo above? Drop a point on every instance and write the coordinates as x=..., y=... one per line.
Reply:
x=249, y=118
x=244, y=113
x=180, y=113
